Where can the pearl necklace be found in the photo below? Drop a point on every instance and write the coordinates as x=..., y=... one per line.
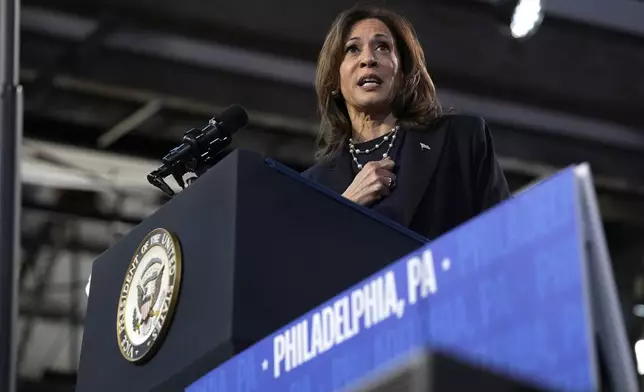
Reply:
x=355, y=151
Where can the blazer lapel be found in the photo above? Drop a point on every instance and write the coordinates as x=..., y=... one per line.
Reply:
x=338, y=174
x=419, y=158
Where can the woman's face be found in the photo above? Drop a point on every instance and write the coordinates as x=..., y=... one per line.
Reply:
x=369, y=68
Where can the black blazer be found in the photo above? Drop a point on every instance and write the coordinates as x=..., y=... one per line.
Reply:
x=438, y=188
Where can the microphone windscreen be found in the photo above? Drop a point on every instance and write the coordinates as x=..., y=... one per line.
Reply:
x=233, y=118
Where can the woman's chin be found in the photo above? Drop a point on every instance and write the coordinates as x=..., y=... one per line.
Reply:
x=373, y=104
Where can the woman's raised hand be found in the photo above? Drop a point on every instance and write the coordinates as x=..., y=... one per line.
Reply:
x=372, y=183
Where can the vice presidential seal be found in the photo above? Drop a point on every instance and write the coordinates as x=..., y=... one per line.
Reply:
x=148, y=295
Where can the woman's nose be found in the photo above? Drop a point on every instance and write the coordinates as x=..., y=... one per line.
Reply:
x=368, y=59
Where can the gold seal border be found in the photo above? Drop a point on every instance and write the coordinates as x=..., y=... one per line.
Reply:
x=173, y=301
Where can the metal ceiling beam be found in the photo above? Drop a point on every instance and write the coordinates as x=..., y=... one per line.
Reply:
x=77, y=55
x=614, y=169
x=623, y=16
x=197, y=107
x=67, y=212
x=69, y=167
x=52, y=312
x=90, y=248
x=129, y=123
x=626, y=16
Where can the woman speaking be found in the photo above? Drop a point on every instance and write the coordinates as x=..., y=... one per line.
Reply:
x=384, y=142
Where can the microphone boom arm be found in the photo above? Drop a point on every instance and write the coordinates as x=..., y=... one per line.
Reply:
x=196, y=154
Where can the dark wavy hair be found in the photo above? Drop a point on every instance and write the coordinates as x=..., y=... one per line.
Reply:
x=414, y=102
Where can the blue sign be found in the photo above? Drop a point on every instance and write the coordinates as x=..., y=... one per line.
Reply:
x=507, y=290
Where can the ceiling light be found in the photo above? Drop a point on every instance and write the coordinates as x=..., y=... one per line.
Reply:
x=526, y=17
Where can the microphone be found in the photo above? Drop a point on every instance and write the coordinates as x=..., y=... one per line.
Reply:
x=199, y=148
x=214, y=135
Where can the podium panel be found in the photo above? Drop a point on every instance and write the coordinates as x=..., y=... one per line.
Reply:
x=426, y=371
x=509, y=291
x=258, y=249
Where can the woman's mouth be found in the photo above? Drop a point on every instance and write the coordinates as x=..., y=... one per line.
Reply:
x=369, y=82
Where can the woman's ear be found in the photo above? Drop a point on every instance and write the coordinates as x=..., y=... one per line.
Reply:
x=337, y=97
x=338, y=101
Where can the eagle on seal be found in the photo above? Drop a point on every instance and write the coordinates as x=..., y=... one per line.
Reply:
x=148, y=290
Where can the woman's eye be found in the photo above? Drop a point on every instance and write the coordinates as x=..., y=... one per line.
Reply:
x=351, y=49
x=382, y=46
